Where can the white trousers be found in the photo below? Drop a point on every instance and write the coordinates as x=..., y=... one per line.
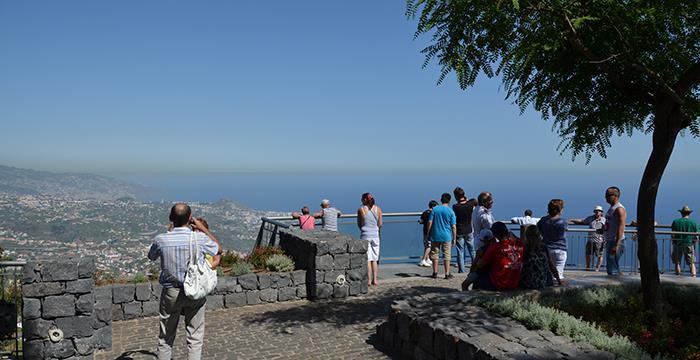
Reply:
x=559, y=258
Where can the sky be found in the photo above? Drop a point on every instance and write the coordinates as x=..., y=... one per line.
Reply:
x=276, y=86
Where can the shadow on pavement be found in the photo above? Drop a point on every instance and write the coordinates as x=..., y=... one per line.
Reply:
x=369, y=309
x=129, y=355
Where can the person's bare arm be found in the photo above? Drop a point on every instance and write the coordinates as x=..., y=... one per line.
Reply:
x=360, y=219
x=296, y=215
x=621, y=213
x=430, y=226
x=577, y=222
x=454, y=234
x=198, y=225
x=380, y=221
x=317, y=215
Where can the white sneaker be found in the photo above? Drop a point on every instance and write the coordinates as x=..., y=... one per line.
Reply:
x=424, y=263
x=421, y=263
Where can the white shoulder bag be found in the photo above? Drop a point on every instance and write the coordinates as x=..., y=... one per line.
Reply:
x=200, y=279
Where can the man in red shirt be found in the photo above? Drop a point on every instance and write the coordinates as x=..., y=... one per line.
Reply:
x=500, y=266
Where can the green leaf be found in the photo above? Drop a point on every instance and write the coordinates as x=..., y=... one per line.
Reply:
x=516, y=4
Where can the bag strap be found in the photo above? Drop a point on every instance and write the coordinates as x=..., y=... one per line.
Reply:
x=193, y=254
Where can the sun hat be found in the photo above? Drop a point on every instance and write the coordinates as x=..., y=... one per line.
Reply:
x=598, y=208
x=325, y=202
x=686, y=209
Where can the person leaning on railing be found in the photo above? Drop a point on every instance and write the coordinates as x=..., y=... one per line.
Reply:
x=684, y=244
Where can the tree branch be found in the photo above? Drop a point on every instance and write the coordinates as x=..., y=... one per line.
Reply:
x=575, y=41
x=688, y=80
x=659, y=81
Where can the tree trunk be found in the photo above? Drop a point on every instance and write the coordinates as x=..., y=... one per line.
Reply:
x=667, y=120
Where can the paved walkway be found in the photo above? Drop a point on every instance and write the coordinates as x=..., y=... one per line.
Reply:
x=340, y=329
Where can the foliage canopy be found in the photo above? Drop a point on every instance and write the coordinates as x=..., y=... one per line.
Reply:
x=598, y=68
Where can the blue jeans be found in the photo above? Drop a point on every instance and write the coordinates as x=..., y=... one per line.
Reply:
x=463, y=240
x=612, y=265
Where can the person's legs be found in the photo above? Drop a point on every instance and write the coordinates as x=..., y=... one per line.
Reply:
x=598, y=252
x=447, y=253
x=675, y=256
x=460, y=254
x=689, y=254
x=435, y=256
x=375, y=272
x=613, y=261
x=589, y=253
x=559, y=257
x=169, y=316
x=194, y=326
x=469, y=243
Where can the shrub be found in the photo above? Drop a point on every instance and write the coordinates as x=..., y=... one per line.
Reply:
x=259, y=256
x=139, y=278
x=279, y=262
x=240, y=268
x=536, y=316
x=229, y=258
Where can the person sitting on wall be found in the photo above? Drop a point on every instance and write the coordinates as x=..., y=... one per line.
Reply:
x=503, y=259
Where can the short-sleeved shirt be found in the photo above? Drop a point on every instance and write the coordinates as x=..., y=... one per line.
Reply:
x=684, y=225
x=553, y=232
x=505, y=262
x=173, y=249
x=464, y=217
x=597, y=236
x=443, y=219
x=482, y=218
x=424, y=218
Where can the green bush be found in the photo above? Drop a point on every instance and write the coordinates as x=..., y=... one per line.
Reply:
x=536, y=316
x=279, y=262
x=240, y=268
x=259, y=256
x=139, y=278
x=229, y=258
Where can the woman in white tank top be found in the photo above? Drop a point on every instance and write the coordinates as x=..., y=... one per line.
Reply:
x=369, y=220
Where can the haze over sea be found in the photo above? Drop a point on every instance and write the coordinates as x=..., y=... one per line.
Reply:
x=513, y=192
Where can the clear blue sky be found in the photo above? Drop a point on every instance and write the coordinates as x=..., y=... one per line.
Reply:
x=218, y=86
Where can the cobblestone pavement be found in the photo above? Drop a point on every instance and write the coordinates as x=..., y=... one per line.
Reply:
x=342, y=329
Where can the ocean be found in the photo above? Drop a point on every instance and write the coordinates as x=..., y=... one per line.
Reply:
x=513, y=192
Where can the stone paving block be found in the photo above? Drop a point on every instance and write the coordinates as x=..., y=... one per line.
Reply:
x=123, y=293
x=248, y=281
x=225, y=285
x=287, y=293
x=59, y=271
x=299, y=277
x=75, y=326
x=143, y=292
x=42, y=289
x=85, y=304
x=151, y=308
x=264, y=281
x=301, y=291
x=31, y=308
x=235, y=300
x=37, y=328
x=268, y=295
x=58, y=306
x=511, y=347
x=132, y=310
x=341, y=261
x=340, y=291
x=543, y=353
x=215, y=302
x=252, y=297
x=80, y=286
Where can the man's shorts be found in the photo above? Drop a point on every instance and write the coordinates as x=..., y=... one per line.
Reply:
x=594, y=248
x=687, y=251
x=435, y=250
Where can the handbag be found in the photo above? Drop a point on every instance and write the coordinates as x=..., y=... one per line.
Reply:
x=200, y=279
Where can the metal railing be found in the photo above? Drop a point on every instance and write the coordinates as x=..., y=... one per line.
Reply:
x=11, y=309
x=577, y=236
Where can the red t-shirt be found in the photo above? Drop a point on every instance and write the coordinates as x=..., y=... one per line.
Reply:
x=506, y=262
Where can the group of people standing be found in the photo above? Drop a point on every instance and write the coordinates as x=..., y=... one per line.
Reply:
x=500, y=260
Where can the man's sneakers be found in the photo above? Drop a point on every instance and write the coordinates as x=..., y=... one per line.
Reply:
x=434, y=276
x=425, y=263
x=449, y=276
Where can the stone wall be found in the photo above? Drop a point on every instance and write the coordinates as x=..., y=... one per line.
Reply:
x=335, y=263
x=445, y=326
x=62, y=316
x=131, y=301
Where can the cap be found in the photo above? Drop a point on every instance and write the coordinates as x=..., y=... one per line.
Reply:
x=485, y=234
x=598, y=208
x=686, y=209
x=325, y=202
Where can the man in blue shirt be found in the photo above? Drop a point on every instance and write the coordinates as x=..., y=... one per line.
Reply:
x=442, y=226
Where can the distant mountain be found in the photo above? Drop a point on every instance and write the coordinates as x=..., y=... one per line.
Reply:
x=15, y=181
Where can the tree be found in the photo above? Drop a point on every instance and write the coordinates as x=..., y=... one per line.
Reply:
x=598, y=68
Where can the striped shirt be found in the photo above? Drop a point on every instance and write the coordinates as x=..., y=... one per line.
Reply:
x=173, y=248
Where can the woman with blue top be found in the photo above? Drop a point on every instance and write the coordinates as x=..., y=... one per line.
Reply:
x=369, y=220
x=553, y=230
